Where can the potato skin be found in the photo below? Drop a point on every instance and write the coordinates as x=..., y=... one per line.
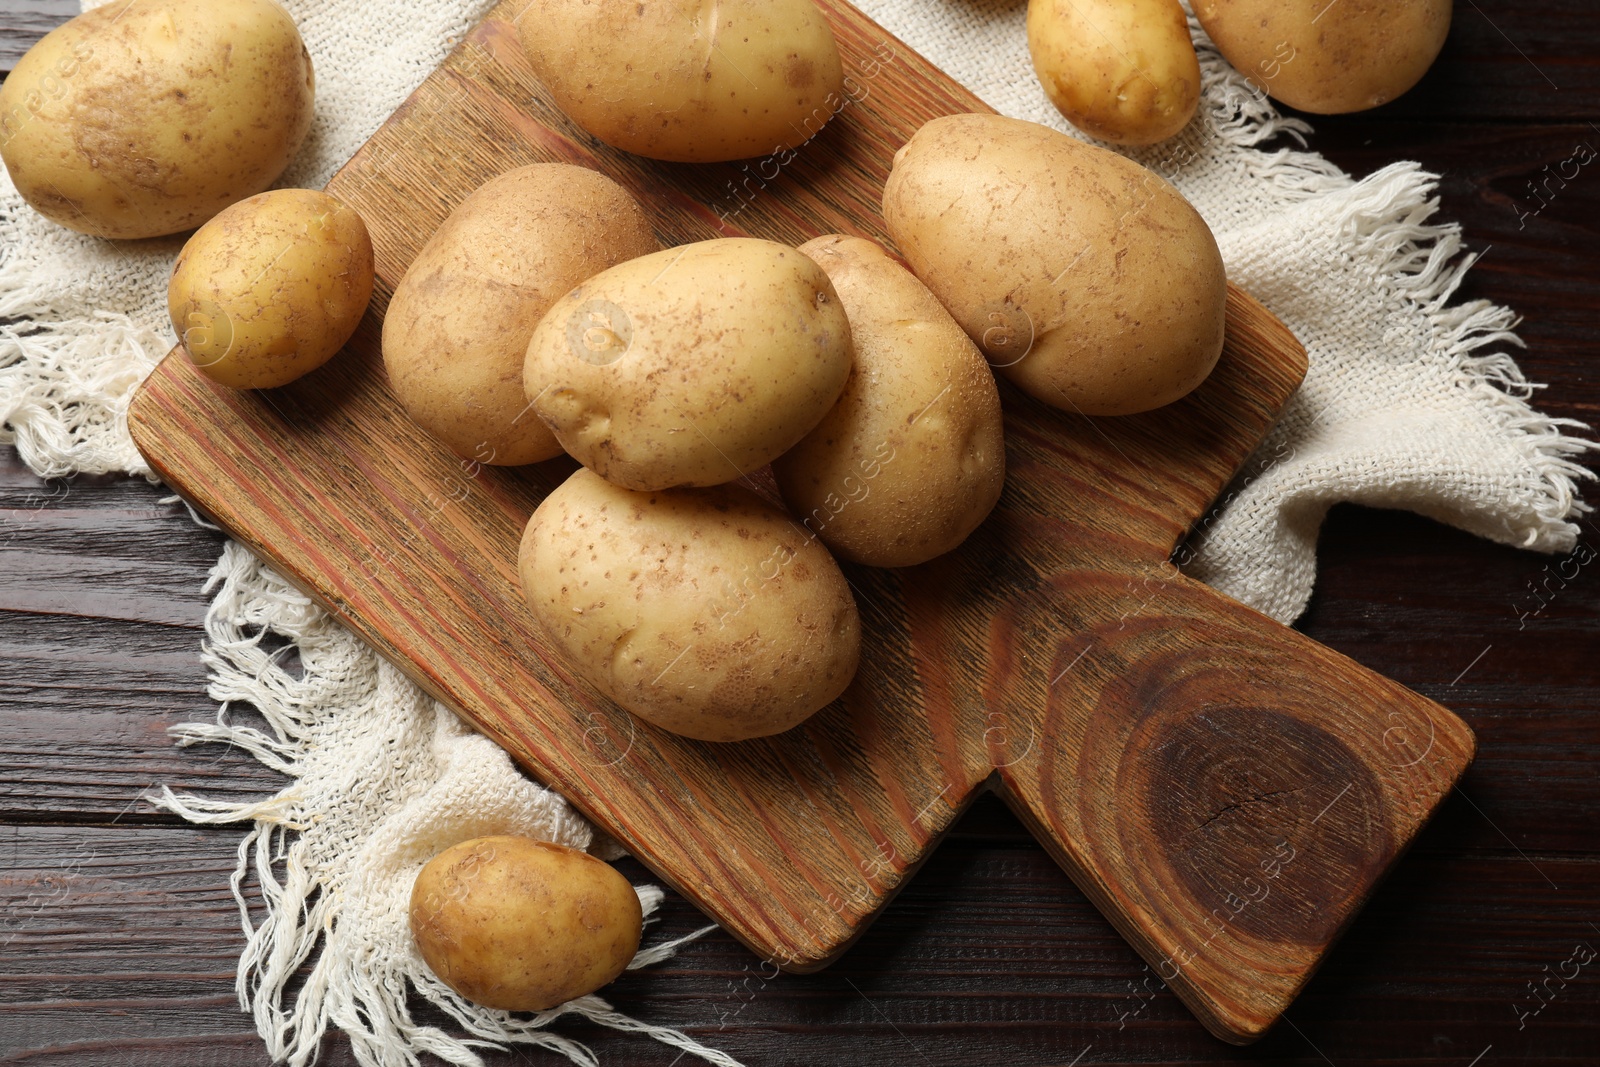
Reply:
x=707, y=612
x=912, y=457
x=456, y=333
x=734, y=350
x=650, y=79
x=523, y=925
x=1329, y=59
x=1085, y=278
x=147, y=118
x=1120, y=70
x=271, y=288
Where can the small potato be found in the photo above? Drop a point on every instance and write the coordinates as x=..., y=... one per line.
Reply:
x=456, y=333
x=1120, y=70
x=912, y=457
x=707, y=612
x=148, y=117
x=523, y=925
x=271, y=288
x=1329, y=58
x=692, y=366
x=1085, y=278
x=685, y=80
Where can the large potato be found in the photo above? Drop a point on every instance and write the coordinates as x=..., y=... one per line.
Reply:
x=1085, y=278
x=685, y=80
x=456, y=333
x=912, y=457
x=1329, y=58
x=1120, y=70
x=692, y=366
x=707, y=612
x=147, y=118
x=523, y=925
x=271, y=288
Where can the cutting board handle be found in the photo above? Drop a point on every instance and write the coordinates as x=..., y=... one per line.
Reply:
x=1228, y=791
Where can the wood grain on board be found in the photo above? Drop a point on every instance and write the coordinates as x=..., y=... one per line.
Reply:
x=1227, y=791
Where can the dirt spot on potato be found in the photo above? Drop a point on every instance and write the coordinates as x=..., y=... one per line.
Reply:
x=799, y=73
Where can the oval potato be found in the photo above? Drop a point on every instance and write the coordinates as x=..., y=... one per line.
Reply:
x=456, y=333
x=147, y=118
x=912, y=457
x=692, y=366
x=1085, y=278
x=1120, y=70
x=271, y=288
x=658, y=80
x=1329, y=58
x=523, y=925
x=707, y=612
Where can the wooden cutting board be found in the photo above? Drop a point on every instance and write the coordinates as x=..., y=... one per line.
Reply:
x=1226, y=790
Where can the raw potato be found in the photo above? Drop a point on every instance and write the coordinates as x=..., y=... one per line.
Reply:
x=707, y=612
x=656, y=79
x=1329, y=58
x=456, y=333
x=912, y=457
x=523, y=925
x=1120, y=70
x=271, y=288
x=692, y=366
x=147, y=118
x=1085, y=278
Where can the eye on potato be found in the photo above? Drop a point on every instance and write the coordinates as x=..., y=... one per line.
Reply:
x=691, y=366
x=456, y=333
x=147, y=118
x=271, y=288
x=523, y=925
x=1120, y=70
x=707, y=612
x=688, y=81
x=912, y=457
x=1085, y=278
x=1329, y=58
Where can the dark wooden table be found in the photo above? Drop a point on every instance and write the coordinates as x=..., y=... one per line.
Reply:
x=118, y=936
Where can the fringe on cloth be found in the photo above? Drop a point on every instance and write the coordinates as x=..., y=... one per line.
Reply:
x=380, y=785
x=65, y=386
x=1423, y=262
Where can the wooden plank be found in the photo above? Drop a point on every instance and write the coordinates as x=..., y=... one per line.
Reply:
x=23, y=22
x=100, y=626
x=121, y=947
x=86, y=708
x=83, y=556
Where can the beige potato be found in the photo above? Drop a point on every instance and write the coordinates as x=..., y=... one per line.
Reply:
x=688, y=81
x=707, y=612
x=1120, y=70
x=692, y=366
x=912, y=457
x=523, y=925
x=271, y=288
x=1085, y=278
x=1329, y=58
x=147, y=118
x=456, y=333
